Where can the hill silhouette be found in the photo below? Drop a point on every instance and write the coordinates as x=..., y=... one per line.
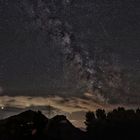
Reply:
x=35, y=126
x=119, y=124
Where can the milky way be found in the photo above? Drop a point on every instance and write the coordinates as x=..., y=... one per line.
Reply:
x=75, y=50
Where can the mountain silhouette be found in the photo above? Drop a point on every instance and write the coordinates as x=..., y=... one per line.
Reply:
x=35, y=126
x=60, y=127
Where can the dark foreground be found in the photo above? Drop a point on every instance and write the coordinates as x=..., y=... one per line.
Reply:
x=120, y=124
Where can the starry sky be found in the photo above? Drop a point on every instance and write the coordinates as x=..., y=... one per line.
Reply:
x=75, y=55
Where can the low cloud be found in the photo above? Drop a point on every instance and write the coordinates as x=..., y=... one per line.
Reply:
x=61, y=103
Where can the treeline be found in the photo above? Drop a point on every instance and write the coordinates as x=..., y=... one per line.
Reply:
x=119, y=124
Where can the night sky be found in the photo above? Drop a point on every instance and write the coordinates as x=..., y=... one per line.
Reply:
x=74, y=55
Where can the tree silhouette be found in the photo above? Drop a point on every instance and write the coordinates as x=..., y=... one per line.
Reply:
x=119, y=124
x=100, y=114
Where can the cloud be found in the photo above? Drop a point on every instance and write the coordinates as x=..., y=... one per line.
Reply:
x=65, y=104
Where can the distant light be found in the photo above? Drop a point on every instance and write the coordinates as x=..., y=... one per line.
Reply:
x=2, y=107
